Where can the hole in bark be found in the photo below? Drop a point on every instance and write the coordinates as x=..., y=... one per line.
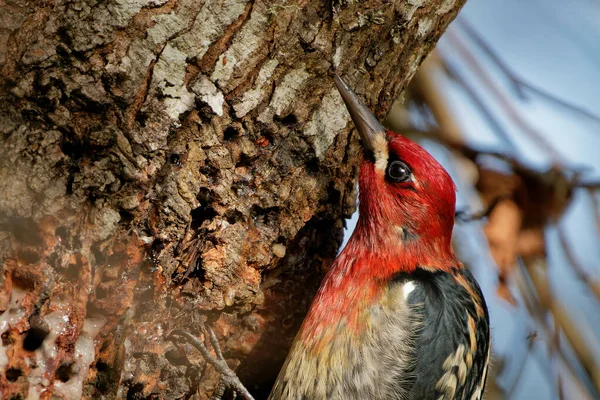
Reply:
x=155, y=250
x=72, y=148
x=333, y=195
x=201, y=214
x=99, y=256
x=127, y=217
x=64, y=372
x=141, y=118
x=62, y=51
x=136, y=392
x=307, y=47
x=12, y=374
x=233, y=216
x=175, y=160
x=230, y=133
x=63, y=35
x=243, y=161
x=23, y=280
x=288, y=120
x=102, y=366
x=35, y=337
x=204, y=196
x=210, y=172
x=312, y=166
x=197, y=269
x=105, y=377
x=6, y=339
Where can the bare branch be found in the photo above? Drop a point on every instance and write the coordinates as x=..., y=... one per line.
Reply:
x=227, y=375
x=593, y=286
x=505, y=103
x=519, y=84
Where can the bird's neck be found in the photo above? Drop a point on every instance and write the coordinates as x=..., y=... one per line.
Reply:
x=361, y=274
x=390, y=248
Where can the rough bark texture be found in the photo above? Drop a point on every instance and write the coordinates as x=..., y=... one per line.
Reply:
x=164, y=163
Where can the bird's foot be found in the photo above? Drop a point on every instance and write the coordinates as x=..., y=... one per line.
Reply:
x=228, y=377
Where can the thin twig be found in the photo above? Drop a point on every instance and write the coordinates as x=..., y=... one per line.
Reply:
x=556, y=361
x=595, y=208
x=539, y=299
x=593, y=286
x=517, y=376
x=228, y=376
x=455, y=74
x=464, y=216
x=511, y=112
x=519, y=84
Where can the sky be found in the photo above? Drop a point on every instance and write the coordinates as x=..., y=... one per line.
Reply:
x=554, y=45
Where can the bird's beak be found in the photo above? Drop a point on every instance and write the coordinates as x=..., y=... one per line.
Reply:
x=370, y=130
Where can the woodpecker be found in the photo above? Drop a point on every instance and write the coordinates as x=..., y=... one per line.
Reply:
x=397, y=315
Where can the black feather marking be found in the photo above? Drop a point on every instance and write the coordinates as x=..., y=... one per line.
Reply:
x=444, y=306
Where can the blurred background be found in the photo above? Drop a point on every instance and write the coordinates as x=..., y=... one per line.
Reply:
x=510, y=104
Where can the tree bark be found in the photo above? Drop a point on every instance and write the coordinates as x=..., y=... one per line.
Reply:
x=166, y=163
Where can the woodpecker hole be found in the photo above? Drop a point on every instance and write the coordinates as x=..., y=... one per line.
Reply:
x=175, y=160
x=210, y=172
x=312, y=166
x=333, y=195
x=136, y=392
x=288, y=120
x=12, y=374
x=230, y=133
x=243, y=161
x=233, y=216
x=201, y=214
x=6, y=340
x=35, y=337
x=127, y=217
x=64, y=372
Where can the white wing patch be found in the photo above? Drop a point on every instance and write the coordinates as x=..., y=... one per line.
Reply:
x=407, y=288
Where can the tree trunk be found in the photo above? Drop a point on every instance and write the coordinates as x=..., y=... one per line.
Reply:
x=166, y=163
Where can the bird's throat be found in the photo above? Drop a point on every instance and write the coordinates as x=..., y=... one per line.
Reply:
x=361, y=274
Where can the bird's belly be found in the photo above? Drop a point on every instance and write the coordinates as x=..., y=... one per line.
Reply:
x=370, y=362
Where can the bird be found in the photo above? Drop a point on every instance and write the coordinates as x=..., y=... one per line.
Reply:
x=397, y=315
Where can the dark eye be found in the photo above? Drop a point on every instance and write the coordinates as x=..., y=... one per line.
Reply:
x=397, y=171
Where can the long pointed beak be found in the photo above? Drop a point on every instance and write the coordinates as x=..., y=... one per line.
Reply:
x=367, y=124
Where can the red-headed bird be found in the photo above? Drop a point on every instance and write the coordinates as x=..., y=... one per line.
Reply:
x=397, y=316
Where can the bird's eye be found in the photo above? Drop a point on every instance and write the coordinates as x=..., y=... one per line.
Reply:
x=397, y=171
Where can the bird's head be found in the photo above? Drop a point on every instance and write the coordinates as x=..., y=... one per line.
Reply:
x=406, y=198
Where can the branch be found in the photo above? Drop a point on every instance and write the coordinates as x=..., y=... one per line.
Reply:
x=227, y=375
x=593, y=286
x=537, y=291
x=511, y=112
x=519, y=84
